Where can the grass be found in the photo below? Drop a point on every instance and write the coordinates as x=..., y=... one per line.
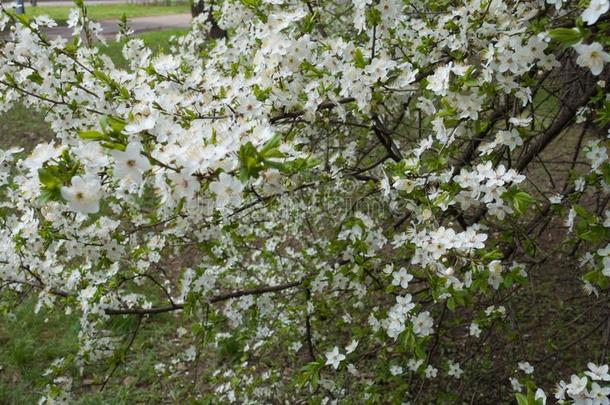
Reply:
x=157, y=41
x=23, y=126
x=109, y=11
x=30, y=342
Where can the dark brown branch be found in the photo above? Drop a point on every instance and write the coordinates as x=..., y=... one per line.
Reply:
x=212, y=300
x=119, y=361
x=384, y=137
x=310, y=352
x=565, y=117
x=39, y=286
x=327, y=105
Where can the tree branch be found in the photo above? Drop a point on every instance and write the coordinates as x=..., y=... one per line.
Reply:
x=212, y=300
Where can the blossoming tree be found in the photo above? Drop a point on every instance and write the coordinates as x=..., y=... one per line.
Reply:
x=352, y=195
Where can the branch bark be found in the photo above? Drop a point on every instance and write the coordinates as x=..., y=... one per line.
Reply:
x=212, y=300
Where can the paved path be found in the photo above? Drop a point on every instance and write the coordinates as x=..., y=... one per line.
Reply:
x=138, y=24
x=69, y=3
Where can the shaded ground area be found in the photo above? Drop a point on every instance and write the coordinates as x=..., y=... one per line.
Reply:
x=23, y=126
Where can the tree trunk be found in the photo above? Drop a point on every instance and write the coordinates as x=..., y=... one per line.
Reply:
x=198, y=7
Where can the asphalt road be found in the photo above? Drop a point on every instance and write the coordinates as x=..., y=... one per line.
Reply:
x=138, y=24
x=43, y=3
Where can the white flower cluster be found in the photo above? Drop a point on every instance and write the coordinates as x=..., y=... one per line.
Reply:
x=586, y=388
x=255, y=182
x=397, y=315
x=511, y=138
x=597, y=154
x=432, y=245
x=486, y=184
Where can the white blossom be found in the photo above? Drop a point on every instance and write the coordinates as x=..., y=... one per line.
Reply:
x=83, y=195
x=592, y=56
x=130, y=164
x=595, y=9
x=334, y=358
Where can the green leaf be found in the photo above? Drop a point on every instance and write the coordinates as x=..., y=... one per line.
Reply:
x=271, y=144
x=23, y=19
x=124, y=93
x=48, y=178
x=113, y=146
x=250, y=162
x=35, y=77
x=309, y=373
x=103, y=77
x=261, y=94
x=309, y=22
x=451, y=304
x=282, y=167
x=521, y=201
x=359, y=60
x=494, y=254
x=521, y=399
x=92, y=135
x=567, y=36
x=596, y=277
x=373, y=16
x=51, y=183
x=117, y=124
x=584, y=214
